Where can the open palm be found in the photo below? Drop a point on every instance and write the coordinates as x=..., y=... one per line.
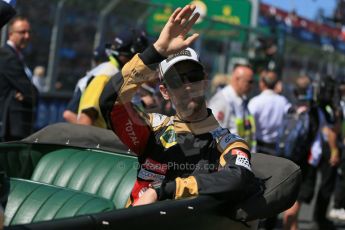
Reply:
x=173, y=37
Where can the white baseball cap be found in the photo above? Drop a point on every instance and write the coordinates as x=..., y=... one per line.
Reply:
x=185, y=55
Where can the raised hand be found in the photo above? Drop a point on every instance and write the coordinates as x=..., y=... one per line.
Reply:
x=173, y=37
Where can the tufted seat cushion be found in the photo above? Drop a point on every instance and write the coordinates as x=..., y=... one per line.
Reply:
x=108, y=175
x=18, y=160
x=32, y=202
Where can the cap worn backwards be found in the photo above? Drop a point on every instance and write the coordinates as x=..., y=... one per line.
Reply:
x=185, y=55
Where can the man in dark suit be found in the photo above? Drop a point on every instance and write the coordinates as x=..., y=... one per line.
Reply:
x=6, y=13
x=17, y=93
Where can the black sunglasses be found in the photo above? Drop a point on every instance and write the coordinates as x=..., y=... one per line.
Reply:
x=175, y=80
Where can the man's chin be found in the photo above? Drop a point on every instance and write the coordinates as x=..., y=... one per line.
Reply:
x=191, y=111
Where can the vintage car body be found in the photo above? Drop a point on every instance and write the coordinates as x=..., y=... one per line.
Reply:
x=79, y=177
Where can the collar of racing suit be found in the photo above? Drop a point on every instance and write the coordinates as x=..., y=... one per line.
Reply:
x=206, y=125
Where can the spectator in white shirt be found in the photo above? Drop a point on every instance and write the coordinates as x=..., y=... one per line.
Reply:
x=268, y=109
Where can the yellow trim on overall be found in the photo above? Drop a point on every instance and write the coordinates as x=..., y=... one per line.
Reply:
x=186, y=187
x=234, y=145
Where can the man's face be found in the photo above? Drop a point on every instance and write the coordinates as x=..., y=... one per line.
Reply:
x=20, y=33
x=186, y=89
x=244, y=77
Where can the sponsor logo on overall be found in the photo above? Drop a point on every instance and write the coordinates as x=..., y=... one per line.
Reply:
x=130, y=131
x=147, y=175
x=181, y=53
x=168, y=138
x=241, y=159
x=155, y=166
x=238, y=152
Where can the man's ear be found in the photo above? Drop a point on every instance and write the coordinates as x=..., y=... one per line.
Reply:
x=164, y=92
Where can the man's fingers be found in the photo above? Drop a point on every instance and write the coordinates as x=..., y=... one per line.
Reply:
x=174, y=34
x=184, y=13
x=191, y=39
x=174, y=15
x=183, y=21
x=187, y=15
x=190, y=24
x=19, y=96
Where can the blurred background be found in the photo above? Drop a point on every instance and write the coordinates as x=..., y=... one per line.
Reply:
x=279, y=35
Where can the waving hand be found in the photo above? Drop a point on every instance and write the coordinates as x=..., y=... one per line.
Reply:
x=173, y=37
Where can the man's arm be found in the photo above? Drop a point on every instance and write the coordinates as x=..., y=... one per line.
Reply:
x=233, y=179
x=332, y=142
x=89, y=109
x=70, y=116
x=87, y=117
x=130, y=125
x=13, y=72
x=233, y=175
x=70, y=113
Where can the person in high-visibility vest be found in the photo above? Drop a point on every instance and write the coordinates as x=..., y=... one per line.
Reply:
x=229, y=105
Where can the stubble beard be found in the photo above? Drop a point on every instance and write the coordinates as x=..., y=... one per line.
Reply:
x=192, y=108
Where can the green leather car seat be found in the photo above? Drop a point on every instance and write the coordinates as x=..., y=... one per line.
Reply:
x=18, y=160
x=30, y=202
x=108, y=175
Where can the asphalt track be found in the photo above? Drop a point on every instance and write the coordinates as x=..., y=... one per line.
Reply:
x=305, y=218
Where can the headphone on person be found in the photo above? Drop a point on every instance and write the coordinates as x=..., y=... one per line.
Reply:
x=128, y=43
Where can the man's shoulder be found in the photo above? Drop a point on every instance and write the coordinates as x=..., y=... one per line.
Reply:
x=220, y=96
x=225, y=139
x=83, y=82
x=158, y=120
x=7, y=59
x=215, y=99
x=105, y=68
x=6, y=53
x=254, y=100
x=283, y=98
x=219, y=132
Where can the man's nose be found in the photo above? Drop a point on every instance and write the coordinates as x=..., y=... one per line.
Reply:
x=27, y=34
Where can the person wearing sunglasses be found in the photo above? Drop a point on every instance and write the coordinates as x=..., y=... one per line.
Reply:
x=229, y=105
x=187, y=154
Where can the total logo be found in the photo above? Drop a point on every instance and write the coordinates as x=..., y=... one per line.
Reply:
x=130, y=131
x=201, y=8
